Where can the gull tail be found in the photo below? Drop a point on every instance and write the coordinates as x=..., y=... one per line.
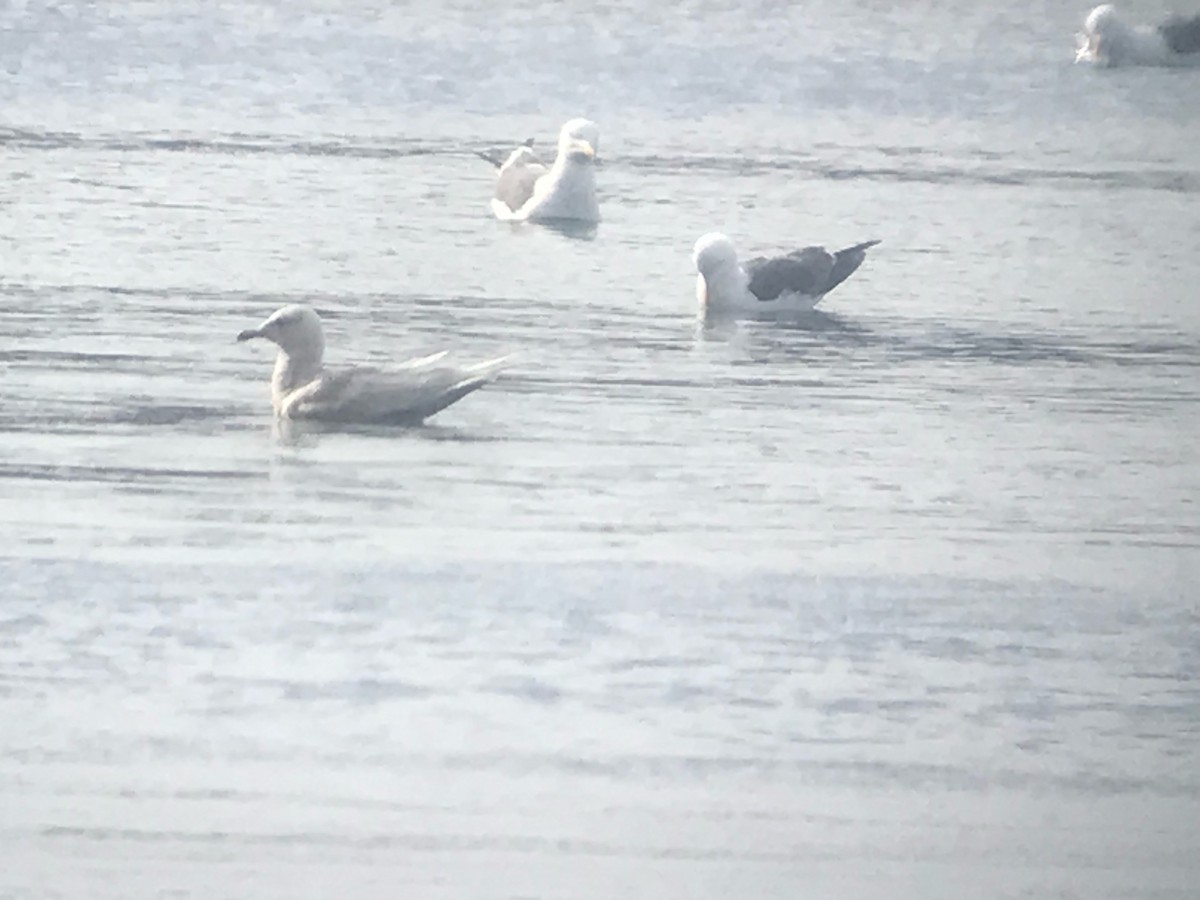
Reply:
x=859, y=248
x=425, y=362
x=846, y=263
x=478, y=374
x=473, y=377
x=488, y=369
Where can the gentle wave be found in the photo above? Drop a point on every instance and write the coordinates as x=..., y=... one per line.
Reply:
x=981, y=168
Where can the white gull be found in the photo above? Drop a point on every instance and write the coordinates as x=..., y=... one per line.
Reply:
x=529, y=191
x=302, y=388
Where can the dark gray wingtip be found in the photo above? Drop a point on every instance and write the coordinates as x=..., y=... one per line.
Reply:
x=859, y=248
x=1181, y=34
x=489, y=158
x=498, y=160
x=846, y=263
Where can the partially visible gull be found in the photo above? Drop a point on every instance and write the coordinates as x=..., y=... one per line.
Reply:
x=528, y=191
x=302, y=388
x=792, y=283
x=1108, y=41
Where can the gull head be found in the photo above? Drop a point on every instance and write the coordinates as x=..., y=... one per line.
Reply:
x=295, y=329
x=584, y=129
x=713, y=254
x=1105, y=38
x=579, y=140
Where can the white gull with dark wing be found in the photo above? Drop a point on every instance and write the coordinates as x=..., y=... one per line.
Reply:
x=1107, y=40
x=792, y=283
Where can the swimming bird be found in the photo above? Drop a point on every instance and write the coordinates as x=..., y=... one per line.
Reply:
x=302, y=388
x=792, y=283
x=529, y=191
x=1108, y=41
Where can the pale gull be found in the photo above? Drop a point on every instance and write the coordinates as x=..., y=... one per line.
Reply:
x=302, y=388
x=792, y=283
x=1108, y=41
x=529, y=191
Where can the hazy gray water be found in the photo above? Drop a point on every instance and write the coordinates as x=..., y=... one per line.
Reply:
x=900, y=603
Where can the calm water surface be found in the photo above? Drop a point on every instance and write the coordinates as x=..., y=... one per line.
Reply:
x=897, y=603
